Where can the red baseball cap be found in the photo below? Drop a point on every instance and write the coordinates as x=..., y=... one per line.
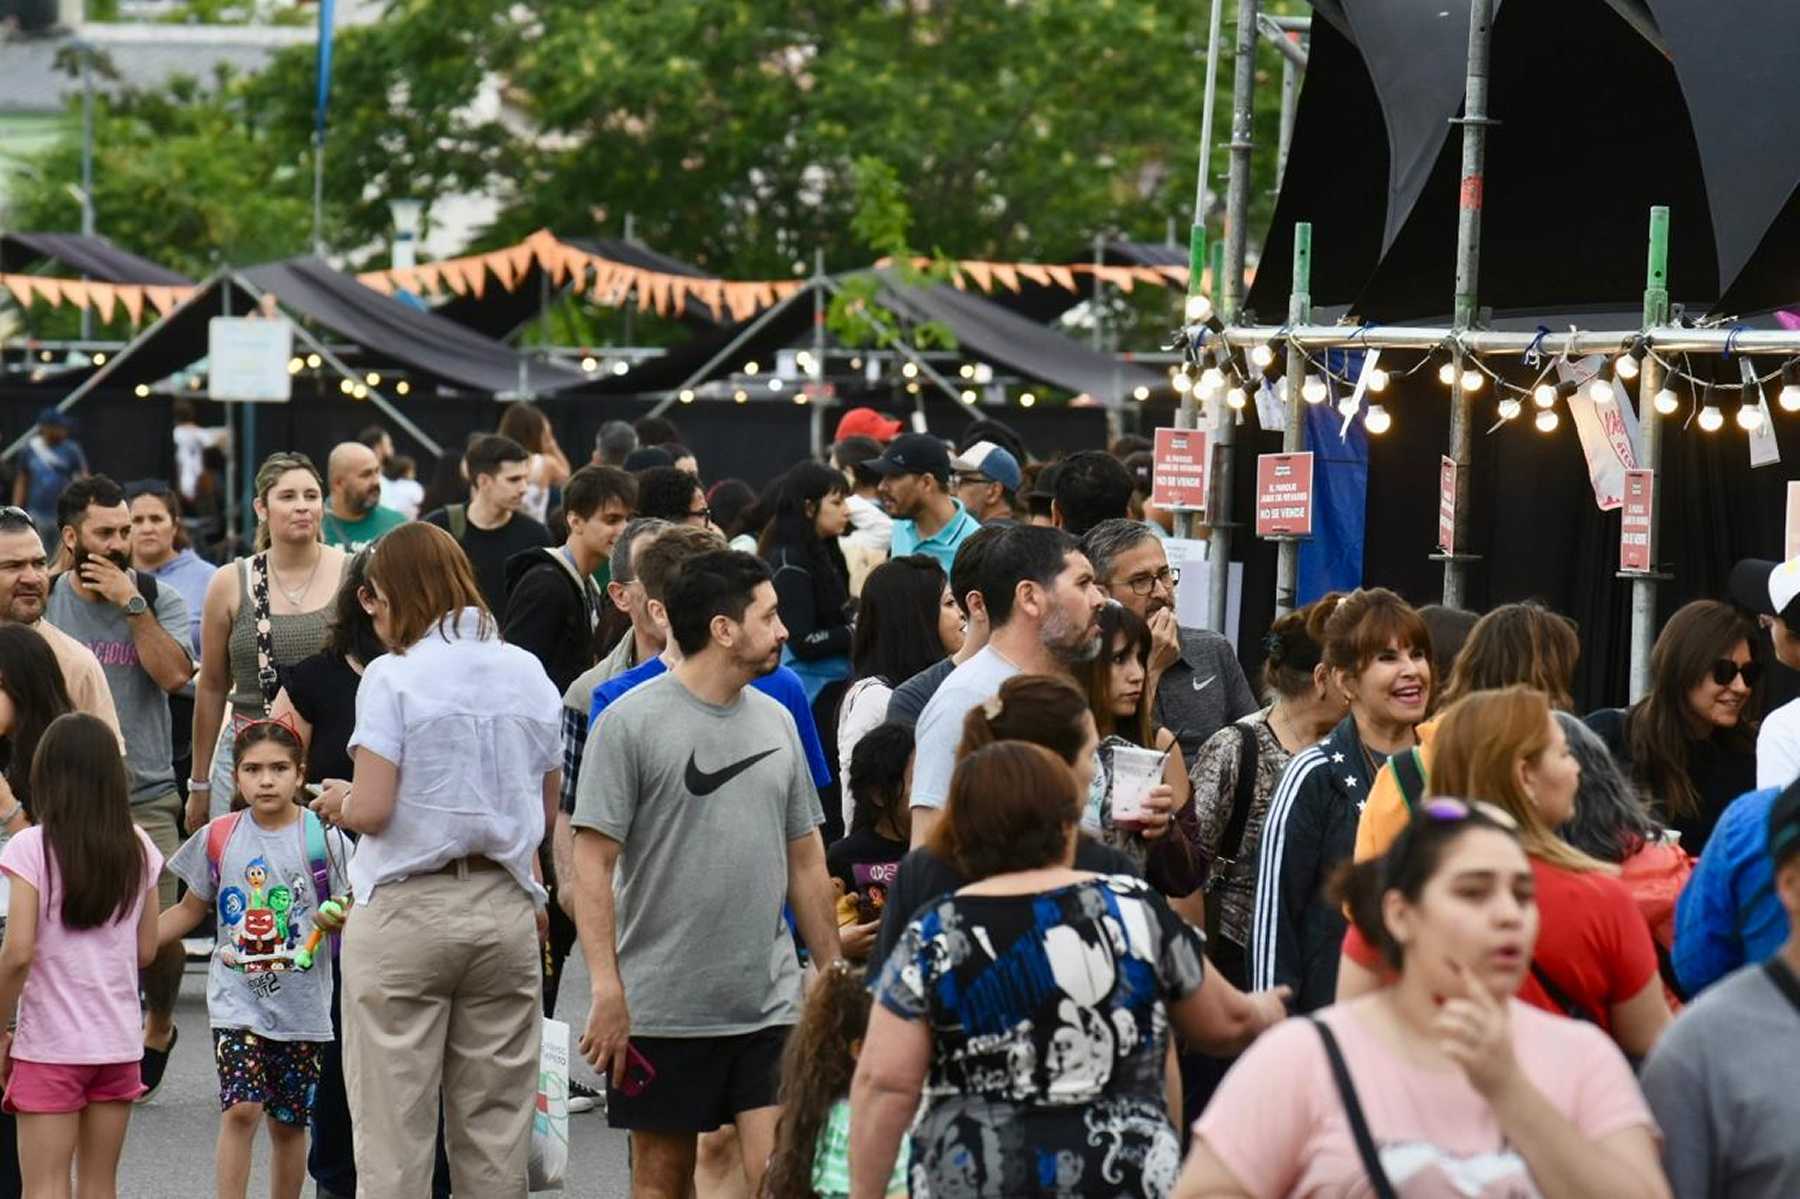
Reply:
x=866, y=422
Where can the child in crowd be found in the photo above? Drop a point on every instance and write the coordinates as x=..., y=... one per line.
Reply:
x=81, y=923
x=863, y=863
x=403, y=491
x=812, y=1138
x=277, y=876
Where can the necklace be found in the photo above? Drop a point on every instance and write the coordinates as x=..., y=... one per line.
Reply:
x=297, y=598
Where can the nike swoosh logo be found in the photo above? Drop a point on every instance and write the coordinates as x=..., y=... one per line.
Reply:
x=1203, y=684
x=705, y=782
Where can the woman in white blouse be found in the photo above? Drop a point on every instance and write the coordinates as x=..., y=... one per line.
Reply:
x=458, y=753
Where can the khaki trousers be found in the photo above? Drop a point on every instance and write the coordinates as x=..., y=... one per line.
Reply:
x=442, y=990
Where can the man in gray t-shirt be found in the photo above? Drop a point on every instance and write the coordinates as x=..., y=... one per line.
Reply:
x=1721, y=1078
x=143, y=649
x=691, y=829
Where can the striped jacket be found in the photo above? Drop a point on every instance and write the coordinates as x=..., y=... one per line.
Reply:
x=1296, y=934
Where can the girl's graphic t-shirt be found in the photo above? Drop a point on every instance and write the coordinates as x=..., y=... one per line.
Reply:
x=1278, y=1123
x=80, y=1003
x=265, y=897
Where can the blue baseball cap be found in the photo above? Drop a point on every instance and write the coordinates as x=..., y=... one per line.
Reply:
x=992, y=462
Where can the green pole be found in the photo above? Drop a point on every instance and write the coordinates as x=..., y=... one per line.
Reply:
x=1293, y=436
x=1650, y=381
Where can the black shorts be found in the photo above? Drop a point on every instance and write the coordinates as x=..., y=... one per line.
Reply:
x=701, y=1083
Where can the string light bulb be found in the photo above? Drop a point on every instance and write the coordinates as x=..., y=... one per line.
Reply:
x=910, y=370
x=740, y=396
x=1212, y=379
x=1471, y=380
x=1509, y=408
x=686, y=396
x=1544, y=395
x=1313, y=390
x=1789, y=399
x=1447, y=374
x=1626, y=364
x=967, y=370
x=750, y=368
x=1262, y=356
x=1377, y=379
x=1140, y=394
x=1026, y=399
x=1547, y=420
x=402, y=387
x=969, y=396
x=1666, y=401
x=1199, y=309
x=1378, y=421
x=1182, y=382
x=1348, y=405
x=1237, y=397
x=1749, y=413
x=1600, y=390
x=1711, y=419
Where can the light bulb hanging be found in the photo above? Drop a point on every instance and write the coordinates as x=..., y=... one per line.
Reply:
x=1378, y=421
x=1262, y=356
x=1509, y=408
x=1711, y=419
x=1749, y=413
x=1472, y=380
x=1666, y=400
x=1626, y=365
x=1313, y=390
x=1547, y=420
x=1544, y=395
x=1198, y=309
x=1237, y=397
x=1377, y=380
x=1789, y=399
x=1600, y=390
x=1447, y=374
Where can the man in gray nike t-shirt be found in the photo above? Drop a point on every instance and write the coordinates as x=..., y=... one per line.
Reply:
x=692, y=827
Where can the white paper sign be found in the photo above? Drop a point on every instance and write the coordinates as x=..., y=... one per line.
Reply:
x=1764, y=449
x=1600, y=424
x=1188, y=561
x=1271, y=409
x=247, y=359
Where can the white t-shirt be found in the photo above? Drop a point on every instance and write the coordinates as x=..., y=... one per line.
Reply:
x=865, y=706
x=191, y=444
x=940, y=724
x=1778, y=747
x=871, y=528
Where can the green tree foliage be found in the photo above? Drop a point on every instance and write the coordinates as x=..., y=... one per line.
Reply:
x=731, y=129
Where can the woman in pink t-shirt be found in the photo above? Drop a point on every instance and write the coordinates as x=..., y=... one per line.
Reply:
x=80, y=924
x=1442, y=1084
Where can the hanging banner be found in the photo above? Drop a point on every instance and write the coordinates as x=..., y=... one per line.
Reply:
x=1447, y=505
x=1764, y=449
x=1606, y=438
x=1636, y=508
x=1284, y=495
x=247, y=359
x=1182, y=470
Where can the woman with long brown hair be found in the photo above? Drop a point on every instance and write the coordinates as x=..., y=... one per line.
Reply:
x=1522, y=644
x=458, y=756
x=1595, y=959
x=262, y=613
x=549, y=466
x=1379, y=655
x=1690, y=744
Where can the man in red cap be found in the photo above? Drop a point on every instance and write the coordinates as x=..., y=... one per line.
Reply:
x=866, y=422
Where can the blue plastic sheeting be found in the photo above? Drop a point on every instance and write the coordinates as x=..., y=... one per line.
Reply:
x=1333, y=559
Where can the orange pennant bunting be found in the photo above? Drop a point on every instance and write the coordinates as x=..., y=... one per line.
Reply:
x=161, y=298
x=500, y=262
x=48, y=289
x=103, y=296
x=132, y=297
x=982, y=273
x=454, y=275
x=1064, y=277
x=522, y=257
x=430, y=278
x=1007, y=275
x=381, y=281
x=20, y=287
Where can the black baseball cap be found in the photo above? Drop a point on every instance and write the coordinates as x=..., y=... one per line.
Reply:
x=912, y=454
x=1765, y=588
x=1784, y=825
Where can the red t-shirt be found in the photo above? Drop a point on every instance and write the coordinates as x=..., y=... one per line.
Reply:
x=1592, y=942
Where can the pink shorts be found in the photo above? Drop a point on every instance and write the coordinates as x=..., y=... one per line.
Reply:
x=46, y=1088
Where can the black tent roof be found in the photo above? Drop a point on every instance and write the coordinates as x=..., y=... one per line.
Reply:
x=1573, y=168
x=94, y=257
x=983, y=328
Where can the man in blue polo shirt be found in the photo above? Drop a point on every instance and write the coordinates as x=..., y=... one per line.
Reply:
x=915, y=488
x=1729, y=915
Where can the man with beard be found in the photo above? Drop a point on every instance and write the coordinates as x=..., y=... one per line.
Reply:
x=1193, y=673
x=704, y=817
x=355, y=519
x=24, y=584
x=1043, y=607
x=138, y=629
x=915, y=489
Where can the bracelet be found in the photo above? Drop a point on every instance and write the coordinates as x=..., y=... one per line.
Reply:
x=199, y=784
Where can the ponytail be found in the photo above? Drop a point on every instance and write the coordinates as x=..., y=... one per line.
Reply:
x=1038, y=708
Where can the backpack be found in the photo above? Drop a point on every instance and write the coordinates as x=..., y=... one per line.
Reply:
x=312, y=836
x=457, y=516
x=1409, y=772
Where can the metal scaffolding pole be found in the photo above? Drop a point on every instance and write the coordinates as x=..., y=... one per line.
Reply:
x=1293, y=434
x=1665, y=339
x=1643, y=586
x=1468, y=270
x=1231, y=293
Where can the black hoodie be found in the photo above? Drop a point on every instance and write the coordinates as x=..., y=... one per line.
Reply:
x=551, y=613
x=1296, y=934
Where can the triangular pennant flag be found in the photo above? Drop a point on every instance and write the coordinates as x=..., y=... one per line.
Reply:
x=404, y=280
x=1035, y=273
x=103, y=297
x=982, y=273
x=643, y=281
x=455, y=276
x=786, y=288
x=20, y=287
x=712, y=293
x=500, y=262
x=475, y=274
x=1150, y=275
x=161, y=298
x=554, y=257
x=379, y=280
x=1007, y=275
x=678, y=294
x=521, y=256
x=956, y=277
x=75, y=292
x=765, y=295
x=132, y=297
x=48, y=289
x=1064, y=277
x=430, y=279
x=740, y=298
x=1119, y=276
x=1175, y=274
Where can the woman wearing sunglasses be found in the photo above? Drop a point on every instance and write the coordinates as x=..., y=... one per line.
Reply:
x=1442, y=1084
x=1595, y=960
x=1690, y=745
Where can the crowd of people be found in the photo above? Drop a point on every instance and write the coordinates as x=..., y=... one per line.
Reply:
x=912, y=845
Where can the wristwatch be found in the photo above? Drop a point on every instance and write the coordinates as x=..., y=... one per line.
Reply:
x=136, y=606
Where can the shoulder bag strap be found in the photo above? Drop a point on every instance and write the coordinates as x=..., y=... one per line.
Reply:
x=264, y=626
x=1231, y=844
x=1560, y=997
x=1359, y=1124
x=458, y=518
x=312, y=836
x=218, y=835
x=1409, y=772
x=1784, y=980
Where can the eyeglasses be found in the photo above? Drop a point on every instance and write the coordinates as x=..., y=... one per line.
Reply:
x=1725, y=670
x=1145, y=584
x=971, y=480
x=704, y=514
x=1448, y=810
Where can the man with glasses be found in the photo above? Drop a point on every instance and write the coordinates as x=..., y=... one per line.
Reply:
x=672, y=494
x=1194, y=673
x=24, y=589
x=987, y=481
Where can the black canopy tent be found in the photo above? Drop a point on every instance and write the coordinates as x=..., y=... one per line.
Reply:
x=93, y=257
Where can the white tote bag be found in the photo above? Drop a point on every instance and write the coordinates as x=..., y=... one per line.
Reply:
x=550, y=1122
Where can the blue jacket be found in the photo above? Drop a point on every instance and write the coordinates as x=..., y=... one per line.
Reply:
x=1729, y=915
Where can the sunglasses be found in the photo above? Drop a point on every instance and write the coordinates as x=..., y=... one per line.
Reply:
x=1725, y=670
x=1447, y=810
